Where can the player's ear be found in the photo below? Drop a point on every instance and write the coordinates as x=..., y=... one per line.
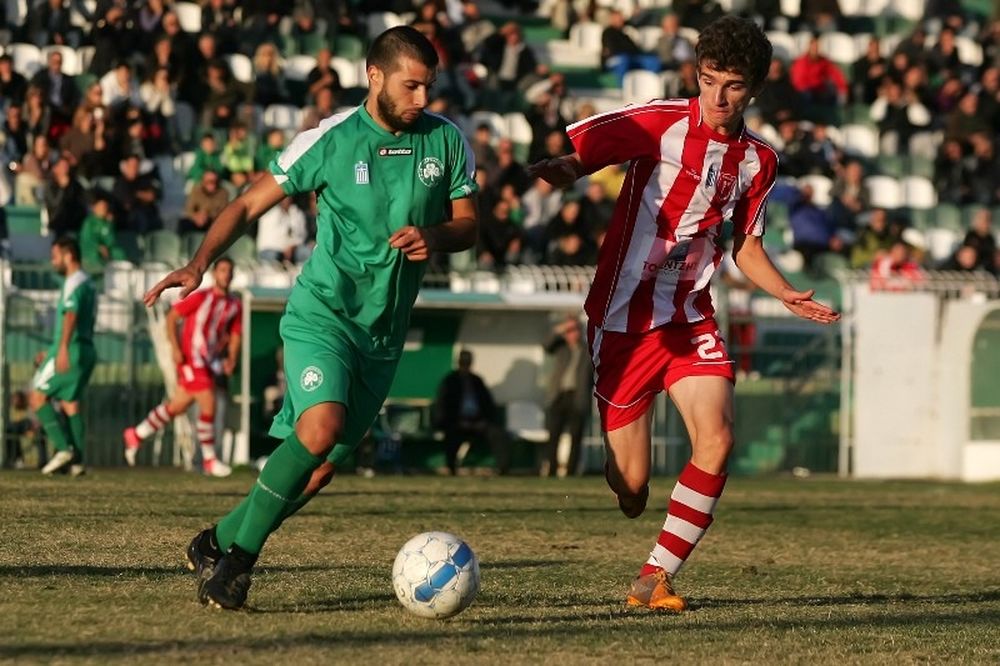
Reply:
x=375, y=75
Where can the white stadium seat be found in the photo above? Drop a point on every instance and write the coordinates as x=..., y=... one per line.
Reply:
x=860, y=140
x=283, y=116
x=649, y=37
x=822, y=188
x=791, y=8
x=919, y=192
x=884, y=192
x=297, y=67
x=911, y=10
x=26, y=58
x=839, y=47
x=189, y=16
x=784, y=46
x=970, y=52
x=346, y=70
x=586, y=35
x=241, y=67
x=941, y=243
x=496, y=122
x=379, y=22
x=518, y=128
x=640, y=86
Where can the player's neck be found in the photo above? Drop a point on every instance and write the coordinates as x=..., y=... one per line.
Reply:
x=372, y=108
x=220, y=291
x=731, y=129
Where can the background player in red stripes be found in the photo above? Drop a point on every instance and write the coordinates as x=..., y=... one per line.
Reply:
x=209, y=345
x=692, y=164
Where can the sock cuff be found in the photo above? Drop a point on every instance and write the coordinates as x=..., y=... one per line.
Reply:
x=206, y=419
x=701, y=481
x=297, y=449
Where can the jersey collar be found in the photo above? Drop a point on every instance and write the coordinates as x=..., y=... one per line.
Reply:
x=367, y=118
x=698, y=121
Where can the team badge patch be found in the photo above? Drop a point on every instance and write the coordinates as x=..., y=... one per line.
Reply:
x=311, y=379
x=361, y=173
x=430, y=171
x=722, y=182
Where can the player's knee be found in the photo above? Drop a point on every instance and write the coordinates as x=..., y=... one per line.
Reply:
x=319, y=431
x=36, y=400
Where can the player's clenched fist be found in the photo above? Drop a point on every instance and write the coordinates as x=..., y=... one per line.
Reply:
x=411, y=242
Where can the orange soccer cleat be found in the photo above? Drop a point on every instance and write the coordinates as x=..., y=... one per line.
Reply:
x=655, y=591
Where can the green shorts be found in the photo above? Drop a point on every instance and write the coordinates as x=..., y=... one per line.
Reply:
x=69, y=385
x=332, y=365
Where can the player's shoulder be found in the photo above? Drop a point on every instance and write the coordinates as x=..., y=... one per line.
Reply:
x=764, y=150
x=667, y=109
x=440, y=123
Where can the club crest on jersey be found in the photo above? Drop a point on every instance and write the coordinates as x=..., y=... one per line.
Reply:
x=430, y=171
x=722, y=182
x=361, y=173
x=311, y=379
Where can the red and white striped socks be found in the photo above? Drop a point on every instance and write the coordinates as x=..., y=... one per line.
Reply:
x=689, y=514
x=206, y=439
x=158, y=417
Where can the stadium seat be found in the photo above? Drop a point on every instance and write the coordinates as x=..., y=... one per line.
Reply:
x=860, y=140
x=640, y=86
x=941, y=243
x=85, y=54
x=243, y=251
x=586, y=35
x=791, y=8
x=346, y=70
x=908, y=9
x=283, y=116
x=189, y=15
x=649, y=37
x=184, y=122
x=190, y=242
x=526, y=420
x=947, y=216
x=919, y=192
x=163, y=247
x=129, y=242
x=839, y=47
x=70, y=58
x=113, y=316
x=884, y=192
x=379, y=22
x=892, y=165
x=822, y=187
x=272, y=276
x=871, y=7
x=21, y=313
x=27, y=58
x=25, y=220
x=297, y=67
x=241, y=67
x=970, y=52
x=520, y=132
x=349, y=46
x=496, y=122
x=784, y=46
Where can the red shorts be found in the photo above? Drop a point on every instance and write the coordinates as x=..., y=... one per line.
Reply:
x=193, y=379
x=631, y=368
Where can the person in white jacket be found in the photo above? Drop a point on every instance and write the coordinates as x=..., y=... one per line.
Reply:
x=282, y=234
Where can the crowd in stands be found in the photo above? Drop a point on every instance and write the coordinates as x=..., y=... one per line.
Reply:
x=123, y=117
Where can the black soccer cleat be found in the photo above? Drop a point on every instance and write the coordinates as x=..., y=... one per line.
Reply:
x=203, y=553
x=228, y=585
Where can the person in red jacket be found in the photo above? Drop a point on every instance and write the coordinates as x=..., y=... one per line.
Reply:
x=817, y=77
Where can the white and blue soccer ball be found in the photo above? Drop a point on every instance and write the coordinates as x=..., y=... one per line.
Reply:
x=435, y=575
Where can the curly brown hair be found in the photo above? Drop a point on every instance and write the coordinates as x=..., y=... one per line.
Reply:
x=734, y=44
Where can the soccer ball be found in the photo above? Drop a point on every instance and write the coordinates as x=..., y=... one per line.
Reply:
x=435, y=575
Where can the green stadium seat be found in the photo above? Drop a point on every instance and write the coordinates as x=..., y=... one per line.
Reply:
x=891, y=165
x=190, y=242
x=350, y=47
x=25, y=220
x=130, y=246
x=163, y=247
x=243, y=252
x=828, y=264
x=947, y=216
x=920, y=166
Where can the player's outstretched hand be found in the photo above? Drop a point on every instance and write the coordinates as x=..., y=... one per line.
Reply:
x=558, y=171
x=187, y=278
x=410, y=241
x=801, y=303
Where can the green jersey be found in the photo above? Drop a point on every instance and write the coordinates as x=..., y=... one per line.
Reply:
x=371, y=182
x=77, y=295
x=96, y=231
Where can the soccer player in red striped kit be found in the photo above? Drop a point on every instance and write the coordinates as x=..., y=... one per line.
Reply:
x=692, y=164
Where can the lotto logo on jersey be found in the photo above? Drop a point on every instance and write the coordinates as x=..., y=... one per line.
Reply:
x=430, y=171
x=311, y=379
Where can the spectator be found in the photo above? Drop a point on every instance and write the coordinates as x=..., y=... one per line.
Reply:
x=304, y=37
x=30, y=174
x=965, y=259
x=541, y=203
x=13, y=140
x=114, y=37
x=867, y=73
x=129, y=136
x=509, y=61
x=873, y=240
x=966, y=119
x=819, y=15
x=899, y=116
x=949, y=174
x=596, y=209
x=97, y=236
x=269, y=149
x=813, y=231
x=119, y=87
x=159, y=99
x=83, y=145
x=323, y=75
x=499, y=238
x=568, y=392
x=162, y=55
x=136, y=196
x=194, y=69
x=205, y=201
x=913, y=48
x=981, y=170
x=324, y=106
x=778, y=100
x=545, y=115
x=817, y=78
x=850, y=196
x=465, y=410
x=149, y=19
x=269, y=81
x=59, y=90
x=672, y=47
x=572, y=248
x=508, y=171
x=685, y=84
x=236, y=154
x=37, y=116
x=206, y=158
x=17, y=425
x=13, y=86
x=896, y=270
x=793, y=160
x=48, y=24
x=64, y=199
x=567, y=221
x=474, y=29
x=942, y=59
x=262, y=23
x=980, y=237
x=989, y=97
x=619, y=53
x=218, y=17
x=222, y=96
x=282, y=234
x=483, y=152
x=697, y=14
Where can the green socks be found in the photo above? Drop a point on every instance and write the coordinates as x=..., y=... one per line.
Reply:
x=54, y=430
x=226, y=529
x=276, y=491
x=76, y=432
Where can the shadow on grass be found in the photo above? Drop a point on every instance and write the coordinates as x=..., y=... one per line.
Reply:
x=854, y=600
x=94, y=571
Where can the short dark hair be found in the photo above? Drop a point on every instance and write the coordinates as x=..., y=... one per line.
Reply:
x=68, y=244
x=224, y=260
x=734, y=44
x=401, y=41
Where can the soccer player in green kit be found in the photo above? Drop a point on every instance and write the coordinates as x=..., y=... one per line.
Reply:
x=393, y=184
x=65, y=369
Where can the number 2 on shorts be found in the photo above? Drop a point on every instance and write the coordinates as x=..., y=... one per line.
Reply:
x=706, y=343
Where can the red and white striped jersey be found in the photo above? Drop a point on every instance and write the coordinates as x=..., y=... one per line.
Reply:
x=684, y=179
x=210, y=319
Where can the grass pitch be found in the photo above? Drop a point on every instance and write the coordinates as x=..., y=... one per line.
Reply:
x=813, y=571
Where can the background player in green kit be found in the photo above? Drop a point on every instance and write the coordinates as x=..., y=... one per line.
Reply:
x=65, y=369
x=393, y=185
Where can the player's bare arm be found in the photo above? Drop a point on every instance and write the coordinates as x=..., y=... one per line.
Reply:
x=231, y=223
x=454, y=235
x=62, y=354
x=175, y=345
x=559, y=172
x=749, y=254
x=232, y=354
